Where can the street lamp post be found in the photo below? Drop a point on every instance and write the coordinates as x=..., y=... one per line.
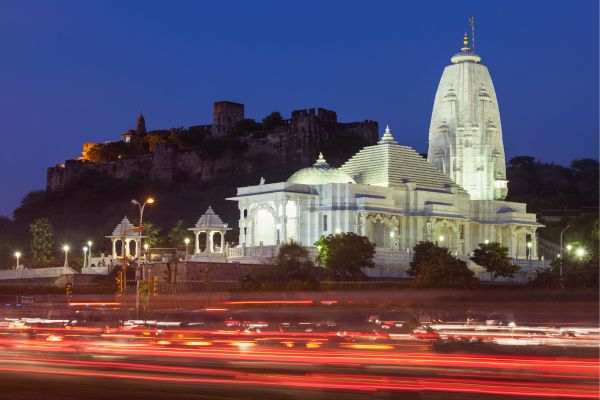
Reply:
x=66, y=250
x=187, y=244
x=562, y=282
x=17, y=256
x=85, y=256
x=139, y=242
x=138, y=251
x=90, y=243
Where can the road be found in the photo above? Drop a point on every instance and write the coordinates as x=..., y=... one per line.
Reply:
x=243, y=354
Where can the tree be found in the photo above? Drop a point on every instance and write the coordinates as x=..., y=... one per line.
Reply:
x=345, y=255
x=422, y=254
x=42, y=241
x=291, y=269
x=272, y=120
x=177, y=234
x=293, y=264
x=152, y=235
x=445, y=272
x=435, y=267
x=577, y=273
x=494, y=257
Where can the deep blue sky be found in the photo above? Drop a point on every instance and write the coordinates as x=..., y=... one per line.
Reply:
x=79, y=71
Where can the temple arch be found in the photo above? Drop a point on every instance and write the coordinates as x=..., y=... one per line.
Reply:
x=264, y=231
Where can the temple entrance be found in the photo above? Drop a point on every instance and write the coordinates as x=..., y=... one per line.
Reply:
x=265, y=228
x=380, y=235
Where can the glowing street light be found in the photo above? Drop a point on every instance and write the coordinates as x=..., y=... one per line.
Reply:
x=569, y=247
x=187, y=244
x=66, y=249
x=392, y=234
x=17, y=256
x=529, y=245
x=146, y=247
x=85, y=251
x=580, y=252
x=89, y=245
x=486, y=241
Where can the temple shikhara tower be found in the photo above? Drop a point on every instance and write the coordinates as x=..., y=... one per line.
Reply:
x=465, y=135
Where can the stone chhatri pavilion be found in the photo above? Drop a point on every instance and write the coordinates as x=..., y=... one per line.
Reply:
x=125, y=233
x=211, y=226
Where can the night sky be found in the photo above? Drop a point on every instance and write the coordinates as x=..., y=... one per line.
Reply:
x=80, y=71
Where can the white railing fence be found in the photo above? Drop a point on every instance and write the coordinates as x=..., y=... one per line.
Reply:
x=24, y=273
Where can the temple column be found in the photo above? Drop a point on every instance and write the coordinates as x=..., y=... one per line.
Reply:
x=284, y=219
x=534, y=244
x=223, y=242
x=513, y=242
x=114, y=248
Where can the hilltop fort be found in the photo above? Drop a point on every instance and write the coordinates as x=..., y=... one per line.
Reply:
x=231, y=144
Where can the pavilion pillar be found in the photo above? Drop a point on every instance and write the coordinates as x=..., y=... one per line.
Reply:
x=209, y=241
x=223, y=242
x=197, y=242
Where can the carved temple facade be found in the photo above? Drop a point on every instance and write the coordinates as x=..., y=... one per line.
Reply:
x=388, y=193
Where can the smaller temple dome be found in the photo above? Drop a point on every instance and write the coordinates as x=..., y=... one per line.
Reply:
x=319, y=174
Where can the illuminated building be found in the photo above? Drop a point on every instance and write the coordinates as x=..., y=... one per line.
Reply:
x=397, y=198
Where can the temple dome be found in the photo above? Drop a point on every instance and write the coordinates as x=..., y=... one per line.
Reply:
x=319, y=174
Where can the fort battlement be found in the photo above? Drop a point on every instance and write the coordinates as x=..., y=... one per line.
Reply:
x=160, y=156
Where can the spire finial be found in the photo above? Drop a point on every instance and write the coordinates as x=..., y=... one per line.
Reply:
x=465, y=41
x=321, y=161
x=472, y=23
x=387, y=136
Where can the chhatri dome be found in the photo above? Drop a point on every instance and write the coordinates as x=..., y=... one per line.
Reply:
x=319, y=174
